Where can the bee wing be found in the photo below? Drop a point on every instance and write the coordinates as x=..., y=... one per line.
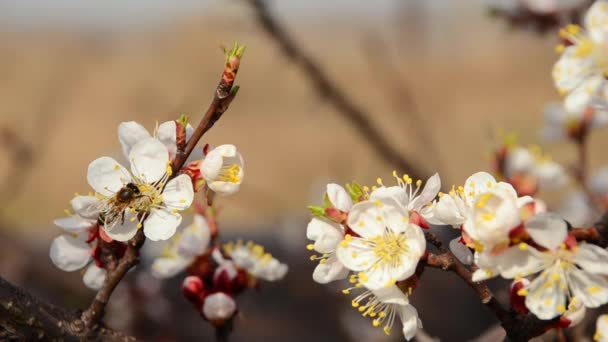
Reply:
x=95, y=209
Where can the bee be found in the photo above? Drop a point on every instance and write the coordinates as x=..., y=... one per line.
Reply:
x=115, y=207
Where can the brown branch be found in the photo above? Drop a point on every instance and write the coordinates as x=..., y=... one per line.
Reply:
x=329, y=91
x=224, y=94
x=518, y=327
x=24, y=317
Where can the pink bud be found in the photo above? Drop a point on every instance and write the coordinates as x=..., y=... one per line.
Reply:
x=193, y=289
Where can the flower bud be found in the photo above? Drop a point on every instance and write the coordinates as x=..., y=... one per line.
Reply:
x=218, y=308
x=193, y=289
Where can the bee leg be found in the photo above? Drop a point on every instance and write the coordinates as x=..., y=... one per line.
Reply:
x=122, y=219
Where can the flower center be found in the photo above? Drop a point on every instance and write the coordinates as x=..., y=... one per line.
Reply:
x=230, y=173
x=389, y=248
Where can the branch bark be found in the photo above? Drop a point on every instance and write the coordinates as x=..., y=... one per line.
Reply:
x=329, y=91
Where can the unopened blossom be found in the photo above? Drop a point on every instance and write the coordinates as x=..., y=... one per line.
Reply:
x=142, y=197
x=223, y=170
x=131, y=132
x=72, y=250
x=218, y=307
x=567, y=269
x=384, y=305
x=255, y=260
x=185, y=246
x=408, y=193
x=326, y=235
x=385, y=246
x=601, y=329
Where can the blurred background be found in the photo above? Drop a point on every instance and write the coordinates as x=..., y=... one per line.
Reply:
x=438, y=77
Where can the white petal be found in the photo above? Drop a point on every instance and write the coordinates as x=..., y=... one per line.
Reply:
x=167, y=134
x=601, y=329
x=195, y=238
x=396, y=192
x=391, y=295
x=74, y=224
x=129, y=134
x=212, y=165
x=591, y=258
x=94, y=277
x=546, y=296
x=225, y=188
x=461, y=252
x=86, y=206
x=178, y=193
x=355, y=256
x=595, y=22
x=519, y=160
x=415, y=240
x=430, y=190
x=410, y=321
x=329, y=271
x=583, y=95
x=547, y=229
x=575, y=209
x=326, y=234
x=482, y=274
x=123, y=231
x=599, y=181
x=571, y=70
x=363, y=219
x=219, y=306
x=447, y=211
x=589, y=288
x=161, y=225
x=338, y=197
x=149, y=160
x=106, y=176
x=168, y=267
x=478, y=183
x=575, y=312
x=69, y=253
x=515, y=262
x=551, y=175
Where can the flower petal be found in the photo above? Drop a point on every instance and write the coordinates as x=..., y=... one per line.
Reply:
x=584, y=94
x=74, y=224
x=219, y=306
x=516, y=262
x=478, y=183
x=94, y=277
x=391, y=295
x=461, y=252
x=589, y=288
x=595, y=22
x=366, y=220
x=430, y=190
x=195, y=238
x=129, y=134
x=161, y=225
x=410, y=321
x=547, y=229
x=178, y=193
x=106, y=176
x=86, y=206
x=355, y=255
x=329, y=271
x=571, y=70
x=123, y=231
x=338, y=197
x=168, y=267
x=547, y=296
x=591, y=258
x=167, y=134
x=69, y=253
x=326, y=234
x=149, y=159
x=396, y=192
x=601, y=329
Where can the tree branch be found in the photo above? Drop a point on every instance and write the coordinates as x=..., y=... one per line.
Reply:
x=518, y=327
x=331, y=92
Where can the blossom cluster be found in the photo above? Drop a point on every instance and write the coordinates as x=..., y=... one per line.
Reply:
x=151, y=196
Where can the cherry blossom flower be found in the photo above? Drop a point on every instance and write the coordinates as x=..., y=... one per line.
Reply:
x=142, y=196
x=528, y=170
x=185, y=246
x=567, y=269
x=131, y=132
x=384, y=247
x=601, y=329
x=562, y=124
x=255, y=260
x=384, y=305
x=326, y=235
x=223, y=169
x=219, y=306
x=74, y=249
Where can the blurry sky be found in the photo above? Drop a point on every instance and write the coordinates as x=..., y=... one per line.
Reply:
x=121, y=14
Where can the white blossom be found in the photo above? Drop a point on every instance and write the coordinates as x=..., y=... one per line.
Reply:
x=223, y=169
x=255, y=260
x=131, y=132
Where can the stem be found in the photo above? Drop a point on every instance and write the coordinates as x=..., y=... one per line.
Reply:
x=223, y=96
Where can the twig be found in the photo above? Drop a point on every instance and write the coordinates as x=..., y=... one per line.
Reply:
x=224, y=94
x=518, y=327
x=331, y=92
x=24, y=317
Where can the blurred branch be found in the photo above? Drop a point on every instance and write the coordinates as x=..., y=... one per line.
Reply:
x=24, y=317
x=223, y=96
x=518, y=327
x=329, y=91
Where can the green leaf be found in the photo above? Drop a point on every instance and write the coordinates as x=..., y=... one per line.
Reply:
x=316, y=210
